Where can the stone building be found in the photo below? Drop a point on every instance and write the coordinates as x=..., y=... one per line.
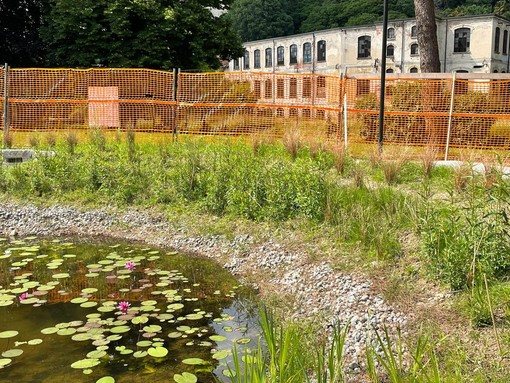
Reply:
x=467, y=44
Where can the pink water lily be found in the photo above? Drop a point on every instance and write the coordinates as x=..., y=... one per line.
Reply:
x=130, y=265
x=23, y=296
x=123, y=306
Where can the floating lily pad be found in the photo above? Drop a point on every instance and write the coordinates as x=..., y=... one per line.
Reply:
x=217, y=338
x=61, y=275
x=96, y=354
x=193, y=361
x=8, y=334
x=85, y=363
x=12, y=353
x=157, y=352
x=34, y=342
x=106, y=379
x=49, y=330
x=4, y=362
x=243, y=341
x=140, y=354
x=219, y=355
x=185, y=377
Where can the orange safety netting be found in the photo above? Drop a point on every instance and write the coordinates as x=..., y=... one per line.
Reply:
x=461, y=112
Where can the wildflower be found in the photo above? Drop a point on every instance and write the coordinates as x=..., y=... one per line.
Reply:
x=123, y=306
x=130, y=265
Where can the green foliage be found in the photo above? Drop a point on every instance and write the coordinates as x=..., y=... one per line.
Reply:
x=152, y=34
x=261, y=19
x=470, y=236
x=21, y=45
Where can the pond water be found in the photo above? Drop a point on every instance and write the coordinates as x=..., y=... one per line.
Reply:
x=117, y=313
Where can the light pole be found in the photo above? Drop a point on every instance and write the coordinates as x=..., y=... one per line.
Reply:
x=383, y=75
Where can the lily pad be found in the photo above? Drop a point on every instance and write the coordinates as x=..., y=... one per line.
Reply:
x=217, y=338
x=85, y=363
x=185, y=377
x=106, y=379
x=219, y=355
x=193, y=361
x=157, y=352
x=4, y=362
x=8, y=334
x=12, y=353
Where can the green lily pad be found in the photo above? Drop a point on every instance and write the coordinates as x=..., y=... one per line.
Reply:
x=49, y=330
x=4, y=362
x=61, y=275
x=157, y=352
x=140, y=354
x=12, y=353
x=243, y=341
x=120, y=329
x=193, y=361
x=139, y=320
x=34, y=342
x=219, y=355
x=96, y=354
x=8, y=334
x=152, y=328
x=85, y=363
x=185, y=377
x=106, y=379
x=217, y=338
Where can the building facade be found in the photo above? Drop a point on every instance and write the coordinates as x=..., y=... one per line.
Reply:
x=474, y=44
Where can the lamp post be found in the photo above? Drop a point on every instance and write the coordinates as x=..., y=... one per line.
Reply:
x=383, y=74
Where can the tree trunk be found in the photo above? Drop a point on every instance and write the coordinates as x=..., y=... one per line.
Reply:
x=427, y=36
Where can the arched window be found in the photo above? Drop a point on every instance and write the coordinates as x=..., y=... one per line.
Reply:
x=413, y=70
x=269, y=57
x=414, y=49
x=391, y=33
x=364, y=47
x=495, y=71
x=389, y=70
x=280, y=56
x=321, y=50
x=307, y=53
x=461, y=40
x=497, y=36
x=390, y=50
x=413, y=31
x=293, y=54
x=505, y=42
x=256, y=58
x=246, y=60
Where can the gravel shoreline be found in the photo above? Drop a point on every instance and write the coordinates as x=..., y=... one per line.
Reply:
x=313, y=289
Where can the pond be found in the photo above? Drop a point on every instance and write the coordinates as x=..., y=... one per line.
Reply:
x=117, y=313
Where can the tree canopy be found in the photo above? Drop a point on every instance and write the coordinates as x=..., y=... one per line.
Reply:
x=118, y=33
x=256, y=19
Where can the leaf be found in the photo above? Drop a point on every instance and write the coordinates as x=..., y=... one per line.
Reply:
x=185, y=377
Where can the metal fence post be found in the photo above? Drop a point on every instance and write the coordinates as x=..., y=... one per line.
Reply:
x=175, y=114
x=5, y=136
x=450, y=119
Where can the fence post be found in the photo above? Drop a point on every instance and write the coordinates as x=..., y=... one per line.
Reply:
x=345, y=121
x=175, y=108
x=5, y=136
x=450, y=119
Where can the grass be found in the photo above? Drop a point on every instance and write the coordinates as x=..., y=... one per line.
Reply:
x=359, y=214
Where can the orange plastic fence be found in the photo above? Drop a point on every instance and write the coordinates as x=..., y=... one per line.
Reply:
x=472, y=113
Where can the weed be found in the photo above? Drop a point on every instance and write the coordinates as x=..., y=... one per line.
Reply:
x=71, y=141
x=427, y=160
x=392, y=167
x=292, y=142
x=339, y=154
x=8, y=140
x=51, y=139
x=34, y=140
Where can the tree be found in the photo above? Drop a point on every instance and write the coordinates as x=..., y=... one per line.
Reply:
x=139, y=33
x=427, y=35
x=261, y=19
x=20, y=44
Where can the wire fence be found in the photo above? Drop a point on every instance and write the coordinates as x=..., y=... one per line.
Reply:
x=442, y=110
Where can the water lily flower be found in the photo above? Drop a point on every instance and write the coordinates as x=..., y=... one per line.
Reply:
x=23, y=296
x=123, y=306
x=130, y=265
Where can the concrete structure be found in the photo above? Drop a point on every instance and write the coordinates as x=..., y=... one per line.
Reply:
x=478, y=44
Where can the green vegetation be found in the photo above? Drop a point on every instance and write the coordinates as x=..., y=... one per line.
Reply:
x=385, y=215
